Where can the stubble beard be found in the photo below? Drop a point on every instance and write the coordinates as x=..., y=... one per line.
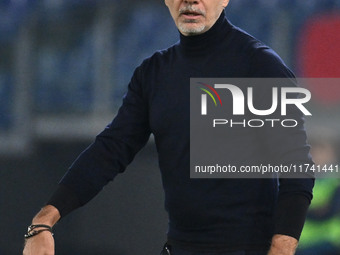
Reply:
x=185, y=28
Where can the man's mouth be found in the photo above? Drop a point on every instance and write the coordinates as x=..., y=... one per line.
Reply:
x=190, y=13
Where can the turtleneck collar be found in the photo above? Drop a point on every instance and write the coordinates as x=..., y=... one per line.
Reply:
x=202, y=43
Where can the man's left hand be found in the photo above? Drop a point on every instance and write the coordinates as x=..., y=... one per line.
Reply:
x=283, y=245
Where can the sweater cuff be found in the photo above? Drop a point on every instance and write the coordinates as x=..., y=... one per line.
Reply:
x=291, y=214
x=65, y=200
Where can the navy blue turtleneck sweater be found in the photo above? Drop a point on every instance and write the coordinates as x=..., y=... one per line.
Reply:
x=211, y=214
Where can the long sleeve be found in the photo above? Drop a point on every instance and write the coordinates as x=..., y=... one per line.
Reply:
x=286, y=146
x=113, y=149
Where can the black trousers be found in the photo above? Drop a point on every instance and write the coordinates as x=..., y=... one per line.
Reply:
x=175, y=250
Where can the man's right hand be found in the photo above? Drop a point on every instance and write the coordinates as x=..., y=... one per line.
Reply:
x=42, y=243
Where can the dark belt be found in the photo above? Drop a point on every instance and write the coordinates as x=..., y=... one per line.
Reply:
x=166, y=250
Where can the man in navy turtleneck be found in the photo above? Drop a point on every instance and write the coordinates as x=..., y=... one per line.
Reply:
x=206, y=216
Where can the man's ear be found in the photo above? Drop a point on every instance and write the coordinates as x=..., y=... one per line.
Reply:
x=224, y=4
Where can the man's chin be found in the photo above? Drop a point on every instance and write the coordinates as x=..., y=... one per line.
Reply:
x=191, y=29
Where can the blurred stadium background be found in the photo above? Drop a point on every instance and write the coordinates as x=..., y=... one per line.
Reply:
x=64, y=67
